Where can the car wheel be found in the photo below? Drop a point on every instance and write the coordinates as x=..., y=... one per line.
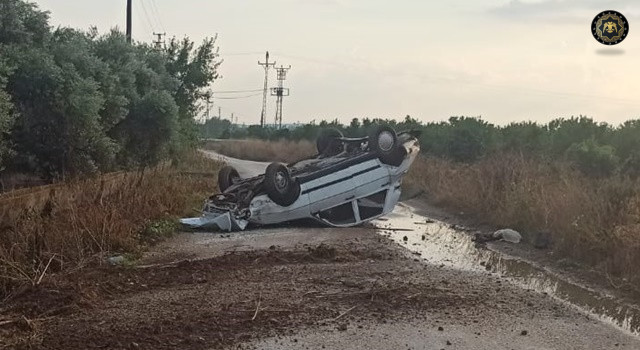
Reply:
x=384, y=142
x=327, y=143
x=227, y=177
x=281, y=188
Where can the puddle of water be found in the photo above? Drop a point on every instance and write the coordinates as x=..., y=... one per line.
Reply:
x=439, y=244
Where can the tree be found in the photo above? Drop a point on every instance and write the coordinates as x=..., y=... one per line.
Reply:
x=87, y=103
x=214, y=128
x=563, y=133
x=151, y=127
x=23, y=23
x=527, y=137
x=626, y=140
x=59, y=101
x=6, y=117
x=592, y=158
x=469, y=138
x=195, y=69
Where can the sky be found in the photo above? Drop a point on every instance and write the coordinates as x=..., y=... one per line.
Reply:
x=502, y=60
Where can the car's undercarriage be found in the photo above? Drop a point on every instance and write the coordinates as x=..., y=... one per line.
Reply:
x=281, y=185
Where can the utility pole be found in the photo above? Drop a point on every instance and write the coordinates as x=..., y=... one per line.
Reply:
x=160, y=43
x=207, y=100
x=129, y=21
x=280, y=92
x=219, y=112
x=266, y=66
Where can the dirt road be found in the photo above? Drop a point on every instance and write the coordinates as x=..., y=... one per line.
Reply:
x=373, y=287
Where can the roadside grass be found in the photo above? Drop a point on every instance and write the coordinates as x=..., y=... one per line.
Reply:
x=594, y=221
x=74, y=224
x=263, y=151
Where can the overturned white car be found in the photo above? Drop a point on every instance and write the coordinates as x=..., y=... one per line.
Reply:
x=350, y=181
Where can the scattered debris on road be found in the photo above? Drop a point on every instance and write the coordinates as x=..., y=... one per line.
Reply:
x=507, y=235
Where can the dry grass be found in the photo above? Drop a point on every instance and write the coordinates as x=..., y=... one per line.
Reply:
x=13, y=181
x=594, y=221
x=69, y=225
x=264, y=151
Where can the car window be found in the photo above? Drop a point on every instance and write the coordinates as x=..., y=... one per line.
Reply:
x=372, y=205
x=340, y=215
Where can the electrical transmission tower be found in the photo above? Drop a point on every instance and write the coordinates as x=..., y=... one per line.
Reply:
x=266, y=66
x=207, y=99
x=280, y=92
x=160, y=43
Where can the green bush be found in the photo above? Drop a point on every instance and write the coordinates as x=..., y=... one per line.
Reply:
x=593, y=159
x=563, y=133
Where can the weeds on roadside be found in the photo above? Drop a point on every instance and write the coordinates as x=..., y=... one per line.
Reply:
x=74, y=224
x=264, y=151
x=593, y=220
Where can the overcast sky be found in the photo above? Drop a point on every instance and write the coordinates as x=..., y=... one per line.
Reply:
x=502, y=60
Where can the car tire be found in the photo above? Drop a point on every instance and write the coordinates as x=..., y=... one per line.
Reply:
x=281, y=188
x=227, y=177
x=384, y=142
x=327, y=143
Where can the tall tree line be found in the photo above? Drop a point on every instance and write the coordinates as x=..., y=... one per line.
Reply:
x=597, y=149
x=74, y=102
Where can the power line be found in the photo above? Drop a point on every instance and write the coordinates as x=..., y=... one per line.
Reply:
x=240, y=53
x=146, y=23
x=235, y=91
x=237, y=97
x=154, y=9
x=146, y=15
x=236, y=116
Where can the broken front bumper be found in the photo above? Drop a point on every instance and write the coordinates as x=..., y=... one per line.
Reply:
x=223, y=219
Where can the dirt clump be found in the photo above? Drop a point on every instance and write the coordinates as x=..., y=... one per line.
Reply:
x=323, y=251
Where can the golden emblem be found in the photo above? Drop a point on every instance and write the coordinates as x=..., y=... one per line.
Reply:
x=610, y=27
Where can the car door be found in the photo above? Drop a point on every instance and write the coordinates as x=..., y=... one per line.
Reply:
x=369, y=177
x=330, y=190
